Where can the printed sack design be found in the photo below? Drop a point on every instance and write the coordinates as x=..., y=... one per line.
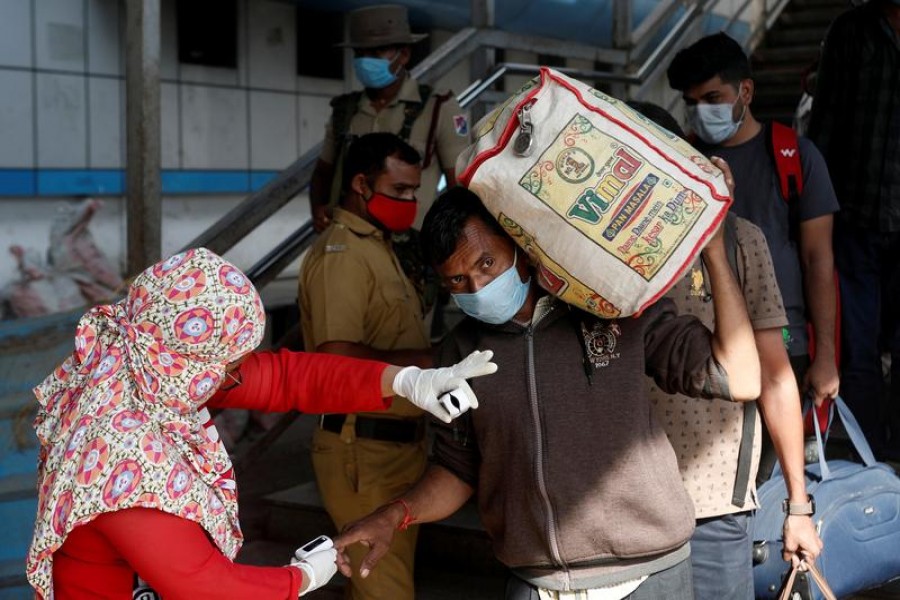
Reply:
x=610, y=207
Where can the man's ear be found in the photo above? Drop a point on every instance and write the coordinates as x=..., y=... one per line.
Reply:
x=404, y=54
x=360, y=186
x=748, y=87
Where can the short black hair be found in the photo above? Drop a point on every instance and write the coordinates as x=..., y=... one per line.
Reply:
x=658, y=115
x=367, y=154
x=445, y=220
x=710, y=56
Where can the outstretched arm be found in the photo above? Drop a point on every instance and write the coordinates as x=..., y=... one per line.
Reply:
x=323, y=383
x=176, y=557
x=312, y=383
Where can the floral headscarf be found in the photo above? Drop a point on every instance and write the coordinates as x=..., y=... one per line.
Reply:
x=121, y=422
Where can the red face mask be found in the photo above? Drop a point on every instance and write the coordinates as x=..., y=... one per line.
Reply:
x=396, y=214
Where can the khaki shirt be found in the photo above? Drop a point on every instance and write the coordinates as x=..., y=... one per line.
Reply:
x=706, y=434
x=352, y=289
x=451, y=135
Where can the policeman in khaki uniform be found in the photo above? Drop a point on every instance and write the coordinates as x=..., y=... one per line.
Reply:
x=431, y=122
x=355, y=300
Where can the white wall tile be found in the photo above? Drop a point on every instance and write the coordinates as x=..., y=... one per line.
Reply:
x=15, y=33
x=200, y=74
x=106, y=106
x=168, y=39
x=59, y=32
x=272, y=45
x=273, y=130
x=213, y=128
x=104, y=40
x=313, y=112
x=16, y=120
x=243, y=11
x=62, y=122
x=170, y=142
x=321, y=86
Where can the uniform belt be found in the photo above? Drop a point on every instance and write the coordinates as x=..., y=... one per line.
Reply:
x=375, y=428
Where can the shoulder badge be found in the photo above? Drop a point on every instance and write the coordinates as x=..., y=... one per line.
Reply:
x=461, y=125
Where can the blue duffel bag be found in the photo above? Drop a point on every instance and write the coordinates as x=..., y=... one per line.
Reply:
x=857, y=516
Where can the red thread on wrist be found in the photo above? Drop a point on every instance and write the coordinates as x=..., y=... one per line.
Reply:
x=408, y=519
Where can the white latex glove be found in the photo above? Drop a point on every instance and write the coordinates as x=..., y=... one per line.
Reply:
x=444, y=392
x=318, y=568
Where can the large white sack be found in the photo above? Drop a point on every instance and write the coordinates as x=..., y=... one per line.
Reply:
x=611, y=207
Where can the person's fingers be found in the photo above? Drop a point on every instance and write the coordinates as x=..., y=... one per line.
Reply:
x=343, y=564
x=371, y=559
x=476, y=364
x=723, y=166
x=349, y=535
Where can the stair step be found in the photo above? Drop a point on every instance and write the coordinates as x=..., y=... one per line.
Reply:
x=12, y=575
x=766, y=79
x=18, y=487
x=788, y=95
x=819, y=16
x=793, y=36
x=801, y=54
x=297, y=514
x=803, y=5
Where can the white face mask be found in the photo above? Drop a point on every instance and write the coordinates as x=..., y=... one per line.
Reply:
x=713, y=123
x=498, y=301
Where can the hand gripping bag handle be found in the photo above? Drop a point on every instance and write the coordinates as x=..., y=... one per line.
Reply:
x=817, y=577
x=851, y=426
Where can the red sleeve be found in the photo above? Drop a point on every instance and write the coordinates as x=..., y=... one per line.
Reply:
x=178, y=560
x=311, y=383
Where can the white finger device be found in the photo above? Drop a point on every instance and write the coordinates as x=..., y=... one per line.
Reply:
x=450, y=403
x=323, y=542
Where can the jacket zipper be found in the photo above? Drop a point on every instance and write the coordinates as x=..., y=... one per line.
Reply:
x=539, y=445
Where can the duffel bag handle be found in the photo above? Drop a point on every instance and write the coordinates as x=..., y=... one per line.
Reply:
x=817, y=577
x=851, y=426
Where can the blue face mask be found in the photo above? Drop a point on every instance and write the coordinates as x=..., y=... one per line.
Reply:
x=713, y=123
x=374, y=73
x=498, y=301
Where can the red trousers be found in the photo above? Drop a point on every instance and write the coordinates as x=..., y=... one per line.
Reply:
x=173, y=555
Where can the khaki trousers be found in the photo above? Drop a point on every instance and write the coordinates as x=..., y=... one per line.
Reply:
x=355, y=477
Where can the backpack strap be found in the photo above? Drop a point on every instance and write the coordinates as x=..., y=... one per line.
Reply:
x=413, y=110
x=431, y=140
x=748, y=424
x=343, y=108
x=785, y=152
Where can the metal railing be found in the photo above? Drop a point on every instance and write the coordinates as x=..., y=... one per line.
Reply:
x=262, y=204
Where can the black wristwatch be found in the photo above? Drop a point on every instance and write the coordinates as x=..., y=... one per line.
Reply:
x=804, y=509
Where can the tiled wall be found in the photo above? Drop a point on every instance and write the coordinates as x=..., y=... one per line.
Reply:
x=62, y=97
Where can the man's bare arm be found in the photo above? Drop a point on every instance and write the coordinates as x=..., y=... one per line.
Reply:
x=437, y=495
x=817, y=260
x=779, y=403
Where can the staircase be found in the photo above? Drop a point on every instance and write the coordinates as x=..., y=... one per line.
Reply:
x=29, y=350
x=787, y=52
